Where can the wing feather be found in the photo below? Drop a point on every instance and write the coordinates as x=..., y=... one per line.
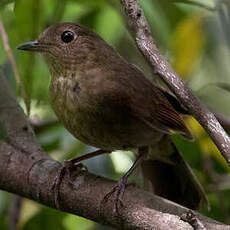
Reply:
x=153, y=107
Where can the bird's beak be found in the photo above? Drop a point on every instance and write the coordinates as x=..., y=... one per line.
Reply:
x=31, y=46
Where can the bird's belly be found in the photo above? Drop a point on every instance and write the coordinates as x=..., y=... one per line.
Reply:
x=94, y=129
x=101, y=125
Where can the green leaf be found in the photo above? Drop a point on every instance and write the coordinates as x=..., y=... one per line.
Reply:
x=72, y=222
x=46, y=219
x=224, y=86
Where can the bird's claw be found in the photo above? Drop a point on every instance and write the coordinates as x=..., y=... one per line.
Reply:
x=67, y=167
x=118, y=191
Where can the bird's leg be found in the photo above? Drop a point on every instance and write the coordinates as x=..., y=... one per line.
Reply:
x=69, y=166
x=119, y=188
x=75, y=163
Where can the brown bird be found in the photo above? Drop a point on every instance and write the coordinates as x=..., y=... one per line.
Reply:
x=106, y=102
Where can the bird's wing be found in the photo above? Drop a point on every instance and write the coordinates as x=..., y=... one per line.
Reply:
x=165, y=119
x=150, y=105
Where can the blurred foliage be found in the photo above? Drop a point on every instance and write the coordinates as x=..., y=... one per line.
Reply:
x=3, y=131
x=192, y=35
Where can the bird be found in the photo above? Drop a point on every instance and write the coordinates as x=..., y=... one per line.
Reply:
x=107, y=102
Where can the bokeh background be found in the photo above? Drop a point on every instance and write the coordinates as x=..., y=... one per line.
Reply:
x=195, y=38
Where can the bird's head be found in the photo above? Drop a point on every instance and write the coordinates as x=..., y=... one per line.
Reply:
x=65, y=46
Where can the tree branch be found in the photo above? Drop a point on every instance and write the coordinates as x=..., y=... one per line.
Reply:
x=28, y=171
x=224, y=121
x=141, y=32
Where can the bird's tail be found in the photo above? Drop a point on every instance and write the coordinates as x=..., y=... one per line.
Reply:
x=169, y=176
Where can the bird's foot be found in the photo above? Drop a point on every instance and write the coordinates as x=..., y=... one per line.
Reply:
x=118, y=192
x=67, y=168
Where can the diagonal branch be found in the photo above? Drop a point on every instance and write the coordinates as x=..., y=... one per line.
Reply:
x=141, y=32
x=25, y=169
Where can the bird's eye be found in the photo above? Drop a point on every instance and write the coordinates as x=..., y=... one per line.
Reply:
x=67, y=36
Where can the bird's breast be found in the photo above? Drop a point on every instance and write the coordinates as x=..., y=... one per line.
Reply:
x=76, y=107
x=101, y=118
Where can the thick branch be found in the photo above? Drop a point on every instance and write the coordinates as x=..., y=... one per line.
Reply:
x=28, y=171
x=141, y=33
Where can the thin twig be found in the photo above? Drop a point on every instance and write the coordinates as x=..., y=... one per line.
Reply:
x=15, y=212
x=142, y=34
x=14, y=66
